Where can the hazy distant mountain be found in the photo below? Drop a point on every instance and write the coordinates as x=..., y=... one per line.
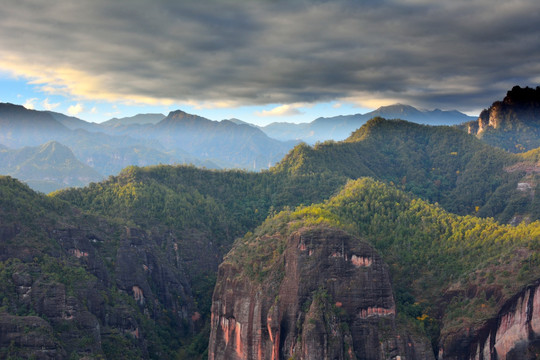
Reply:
x=74, y=123
x=340, y=127
x=142, y=140
x=22, y=127
x=240, y=122
x=243, y=146
x=513, y=123
x=46, y=168
x=140, y=119
x=94, y=145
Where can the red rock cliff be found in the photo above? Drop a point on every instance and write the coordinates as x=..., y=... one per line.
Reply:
x=513, y=335
x=327, y=296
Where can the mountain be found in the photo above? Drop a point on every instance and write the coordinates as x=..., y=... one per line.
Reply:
x=140, y=119
x=130, y=263
x=76, y=285
x=313, y=282
x=340, y=127
x=204, y=211
x=309, y=293
x=74, y=123
x=241, y=146
x=102, y=153
x=513, y=123
x=47, y=168
x=440, y=164
x=22, y=127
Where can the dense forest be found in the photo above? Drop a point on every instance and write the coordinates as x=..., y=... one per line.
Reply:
x=464, y=267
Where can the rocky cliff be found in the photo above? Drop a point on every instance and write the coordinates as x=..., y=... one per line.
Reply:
x=73, y=285
x=513, y=335
x=319, y=294
x=512, y=123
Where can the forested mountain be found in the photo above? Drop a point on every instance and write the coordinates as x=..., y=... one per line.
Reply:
x=47, y=168
x=341, y=127
x=440, y=164
x=456, y=280
x=513, y=123
x=126, y=268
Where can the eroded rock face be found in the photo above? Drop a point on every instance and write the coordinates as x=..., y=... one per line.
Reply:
x=90, y=294
x=520, y=104
x=329, y=297
x=513, y=335
x=28, y=337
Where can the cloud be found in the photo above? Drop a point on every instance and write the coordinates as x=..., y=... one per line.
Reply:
x=282, y=110
x=74, y=110
x=48, y=106
x=431, y=54
x=30, y=103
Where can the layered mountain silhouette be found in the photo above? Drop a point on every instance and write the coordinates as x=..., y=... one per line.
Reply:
x=340, y=127
x=142, y=140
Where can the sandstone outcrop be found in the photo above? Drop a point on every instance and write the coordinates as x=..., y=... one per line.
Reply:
x=513, y=123
x=327, y=296
x=513, y=335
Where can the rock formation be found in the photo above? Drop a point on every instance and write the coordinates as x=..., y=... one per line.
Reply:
x=327, y=296
x=513, y=335
x=513, y=123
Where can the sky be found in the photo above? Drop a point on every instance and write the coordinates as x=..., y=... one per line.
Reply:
x=264, y=60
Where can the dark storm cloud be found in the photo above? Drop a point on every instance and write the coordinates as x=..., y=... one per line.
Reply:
x=461, y=54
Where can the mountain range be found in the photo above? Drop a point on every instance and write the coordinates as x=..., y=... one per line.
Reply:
x=340, y=127
x=403, y=240
x=141, y=140
x=148, y=139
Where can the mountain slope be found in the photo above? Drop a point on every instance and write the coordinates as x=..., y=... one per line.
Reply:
x=76, y=285
x=440, y=164
x=140, y=119
x=22, y=127
x=47, y=168
x=74, y=123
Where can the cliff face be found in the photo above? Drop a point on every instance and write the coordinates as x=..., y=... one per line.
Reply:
x=327, y=296
x=513, y=335
x=513, y=123
x=519, y=105
x=90, y=293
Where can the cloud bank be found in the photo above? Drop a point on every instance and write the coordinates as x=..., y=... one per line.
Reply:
x=457, y=53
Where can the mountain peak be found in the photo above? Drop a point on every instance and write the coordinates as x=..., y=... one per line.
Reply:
x=522, y=96
x=177, y=114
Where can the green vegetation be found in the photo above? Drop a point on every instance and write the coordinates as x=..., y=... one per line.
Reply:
x=431, y=252
x=189, y=219
x=440, y=164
